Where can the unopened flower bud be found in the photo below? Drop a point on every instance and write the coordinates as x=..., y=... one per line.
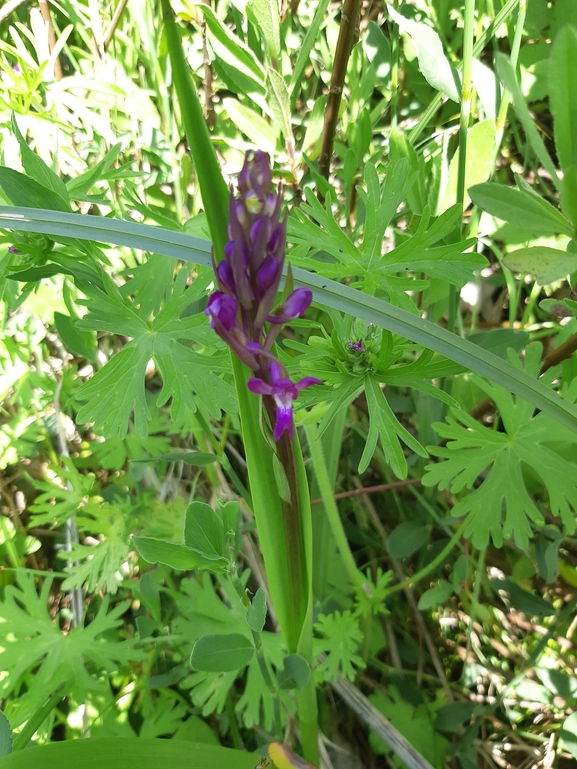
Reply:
x=295, y=306
x=222, y=308
x=267, y=274
x=225, y=276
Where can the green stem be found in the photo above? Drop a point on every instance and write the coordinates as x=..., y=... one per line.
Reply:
x=224, y=460
x=36, y=721
x=466, y=94
x=394, y=70
x=165, y=107
x=502, y=116
x=326, y=491
x=257, y=639
x=479, y=573
x=434, y=563
x=234, y=730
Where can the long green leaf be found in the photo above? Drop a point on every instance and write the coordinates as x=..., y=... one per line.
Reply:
x=326, y=292
x=509, y=79
x=212, y=185
x=129, y=754
x=156, y=240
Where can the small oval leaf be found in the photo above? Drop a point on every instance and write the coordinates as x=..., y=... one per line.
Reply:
x=435, y=595
x=256, y=612
x=407, y=538
x=221, y=653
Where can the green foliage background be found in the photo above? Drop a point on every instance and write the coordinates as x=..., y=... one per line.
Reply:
x=442, y=256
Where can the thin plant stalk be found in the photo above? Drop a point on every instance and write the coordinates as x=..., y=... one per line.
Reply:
x=514, y=58
x=395, y=53
x=256, y=637
x=349, y=17
x=466, y=97
x=322, y=476
x=37, y=719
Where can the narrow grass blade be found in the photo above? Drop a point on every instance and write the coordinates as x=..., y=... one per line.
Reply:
x=326, y=292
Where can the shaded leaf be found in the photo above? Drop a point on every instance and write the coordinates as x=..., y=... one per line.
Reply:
x=407, y=538
x=295, y=673
x=175, y=555
x=530, y=604
x=436, y=68
x=546, y=264
x=436, y=595
x=221, y=653
x=563, y=95
x=568, y=734
x=5, y=735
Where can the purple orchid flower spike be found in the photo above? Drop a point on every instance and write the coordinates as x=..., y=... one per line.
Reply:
x=248, y=281
x=284, y=391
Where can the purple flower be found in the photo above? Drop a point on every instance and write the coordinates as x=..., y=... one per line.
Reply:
x=17, y=68
x=284, y=392
x=356, y=346
x=14, y=250
x=222, y=309
x=295, y=306
x=248, y=280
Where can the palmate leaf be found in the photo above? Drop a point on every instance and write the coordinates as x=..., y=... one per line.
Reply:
x=449, y=261
x=117, y=392
x=64, y=498
x=39, y=657
x=350, y=372
x=341, y=640
x=473, y=449
x=100, y=564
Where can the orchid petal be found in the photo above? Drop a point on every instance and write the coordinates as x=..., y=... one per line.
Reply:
x=284, y=417
x=307, y=381
x=259, y=386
